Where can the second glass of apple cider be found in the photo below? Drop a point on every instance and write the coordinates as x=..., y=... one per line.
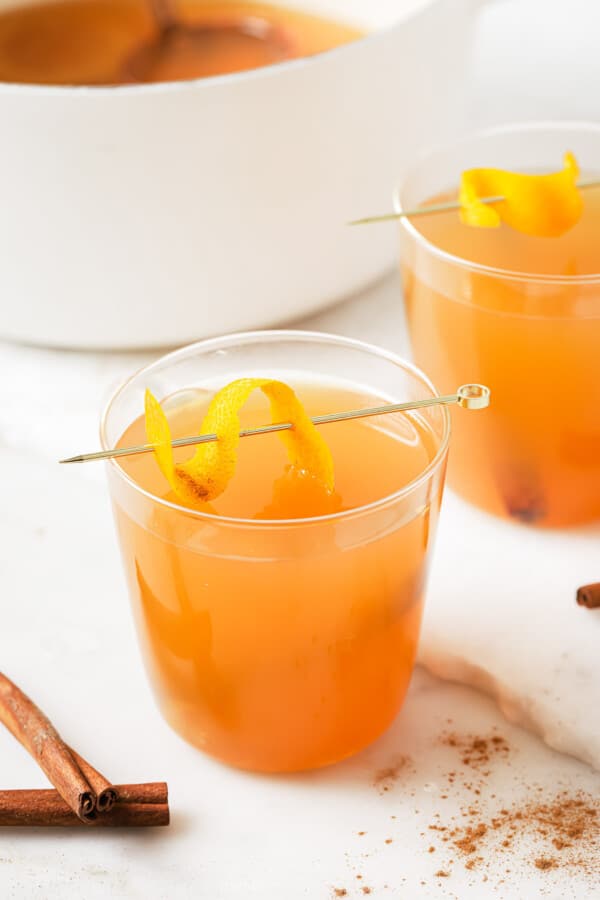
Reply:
x=279, y=632
x=520, y=314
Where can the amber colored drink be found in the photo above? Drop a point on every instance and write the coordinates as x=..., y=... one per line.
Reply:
x=522, y=315
x=110, y=42
x=282, y=635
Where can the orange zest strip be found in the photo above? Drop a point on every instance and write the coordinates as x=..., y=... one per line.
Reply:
x=539, y=205
x=207, y=473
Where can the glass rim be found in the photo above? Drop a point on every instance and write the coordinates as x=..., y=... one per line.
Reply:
x=481, y=268
x=250, y=337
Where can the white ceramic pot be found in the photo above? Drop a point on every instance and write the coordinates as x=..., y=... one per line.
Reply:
x=153, y=215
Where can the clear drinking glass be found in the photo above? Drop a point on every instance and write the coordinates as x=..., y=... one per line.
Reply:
x=279, y=645
x=527, y=329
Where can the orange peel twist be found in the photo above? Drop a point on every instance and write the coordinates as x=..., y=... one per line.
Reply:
x=207, y=473
x=538, y=205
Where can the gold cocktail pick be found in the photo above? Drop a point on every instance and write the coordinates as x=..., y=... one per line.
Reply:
x=468, y=396
x=443, y=207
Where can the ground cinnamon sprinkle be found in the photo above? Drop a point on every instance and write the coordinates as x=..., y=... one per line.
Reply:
x=475, y=751
x=473, y=862
x=544, y=831
x=469, y=842
x=568, y=822
x=385, y=779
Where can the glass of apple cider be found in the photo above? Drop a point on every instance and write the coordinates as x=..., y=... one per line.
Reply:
x=520, y=314
x=281, y=636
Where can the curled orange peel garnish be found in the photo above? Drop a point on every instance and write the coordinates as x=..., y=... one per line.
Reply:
x=207, y=473
x=539, y=205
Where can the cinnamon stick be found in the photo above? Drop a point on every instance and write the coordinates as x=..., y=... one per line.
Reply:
x=46, y=808
x=151, y=792
x=36, y=733
x=109, y=794
x=106, y=794
x=589, y=596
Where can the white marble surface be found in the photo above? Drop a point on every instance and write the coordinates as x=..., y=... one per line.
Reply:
x=502, y=617
x=68, y=638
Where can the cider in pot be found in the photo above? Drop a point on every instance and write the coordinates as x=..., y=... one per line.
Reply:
x=112, y=42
